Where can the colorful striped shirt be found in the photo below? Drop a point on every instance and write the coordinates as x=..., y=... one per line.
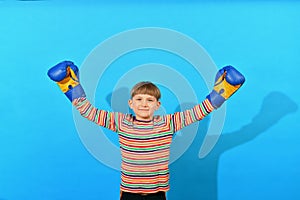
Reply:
x=145, y=145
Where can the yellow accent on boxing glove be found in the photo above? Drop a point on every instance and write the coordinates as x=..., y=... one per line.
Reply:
x=224, y=88
x=69, y=82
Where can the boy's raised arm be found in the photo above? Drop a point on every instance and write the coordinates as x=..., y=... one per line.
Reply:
x=66, y=75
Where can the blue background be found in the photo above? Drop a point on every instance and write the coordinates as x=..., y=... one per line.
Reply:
x=258, y=154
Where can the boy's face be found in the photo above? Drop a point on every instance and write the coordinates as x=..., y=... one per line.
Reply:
x=144, y=106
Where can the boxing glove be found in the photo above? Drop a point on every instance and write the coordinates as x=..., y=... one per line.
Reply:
x=66, y=75
x=228, y=80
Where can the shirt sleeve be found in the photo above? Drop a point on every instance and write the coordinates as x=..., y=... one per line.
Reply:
x=103, y=118
x=187, y=117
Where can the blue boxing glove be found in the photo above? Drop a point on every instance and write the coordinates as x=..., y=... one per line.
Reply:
x=228, y=80
x=66, y=75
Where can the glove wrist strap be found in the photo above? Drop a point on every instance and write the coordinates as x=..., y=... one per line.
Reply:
x=75, y=93
x=215, y=99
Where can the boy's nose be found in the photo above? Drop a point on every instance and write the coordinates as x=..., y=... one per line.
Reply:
x=144, y=103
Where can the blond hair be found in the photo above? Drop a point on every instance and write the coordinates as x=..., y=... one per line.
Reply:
x=146, y=87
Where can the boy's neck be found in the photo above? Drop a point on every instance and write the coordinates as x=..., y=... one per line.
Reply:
x=143, y=120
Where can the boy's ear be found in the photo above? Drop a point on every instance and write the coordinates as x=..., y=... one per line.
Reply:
x=130, y=103
x=158, y=105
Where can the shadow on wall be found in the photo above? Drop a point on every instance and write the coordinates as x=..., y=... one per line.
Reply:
x=194, y=178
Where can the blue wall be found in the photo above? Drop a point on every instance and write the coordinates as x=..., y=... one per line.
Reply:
x=257, y=156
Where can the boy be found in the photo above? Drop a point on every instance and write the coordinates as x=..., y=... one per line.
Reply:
x=144, y=139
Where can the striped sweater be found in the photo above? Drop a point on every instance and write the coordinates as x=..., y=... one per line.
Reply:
x=145, y=145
